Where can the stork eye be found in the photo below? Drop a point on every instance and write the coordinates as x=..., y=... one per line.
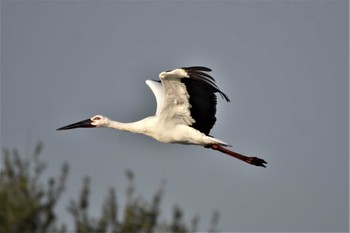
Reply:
x=96, y=118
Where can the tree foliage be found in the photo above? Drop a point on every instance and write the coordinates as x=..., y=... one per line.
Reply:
x=27, y=204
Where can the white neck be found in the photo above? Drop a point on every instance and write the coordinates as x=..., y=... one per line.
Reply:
x=133, y=127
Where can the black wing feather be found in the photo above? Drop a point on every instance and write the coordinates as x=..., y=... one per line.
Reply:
x=201, y=88
x=197, y=68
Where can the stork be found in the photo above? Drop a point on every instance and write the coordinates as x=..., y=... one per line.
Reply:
x=185, y=114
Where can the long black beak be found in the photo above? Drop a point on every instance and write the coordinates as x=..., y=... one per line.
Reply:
x=81, y=124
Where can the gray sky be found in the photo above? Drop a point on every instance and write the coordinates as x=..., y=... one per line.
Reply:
x=284, y=64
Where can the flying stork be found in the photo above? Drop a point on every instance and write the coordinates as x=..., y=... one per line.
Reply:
x=186, y=108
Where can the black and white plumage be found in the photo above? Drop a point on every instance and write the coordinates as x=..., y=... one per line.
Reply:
x=201, y=89
x=186, y=107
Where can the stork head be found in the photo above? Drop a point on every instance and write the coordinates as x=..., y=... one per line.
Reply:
x=93, y=122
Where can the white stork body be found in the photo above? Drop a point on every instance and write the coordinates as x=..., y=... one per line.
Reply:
x=186, y=108
x=163, y=131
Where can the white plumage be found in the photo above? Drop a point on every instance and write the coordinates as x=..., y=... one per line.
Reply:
x=158, y=92
x=186, y=107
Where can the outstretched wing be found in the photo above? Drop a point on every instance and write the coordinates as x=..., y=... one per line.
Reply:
x=189, y=98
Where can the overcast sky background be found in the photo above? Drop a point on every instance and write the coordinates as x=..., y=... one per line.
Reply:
x=284, y=64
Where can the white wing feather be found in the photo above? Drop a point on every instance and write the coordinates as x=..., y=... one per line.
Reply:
x=176, y=106
x=158, y=92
